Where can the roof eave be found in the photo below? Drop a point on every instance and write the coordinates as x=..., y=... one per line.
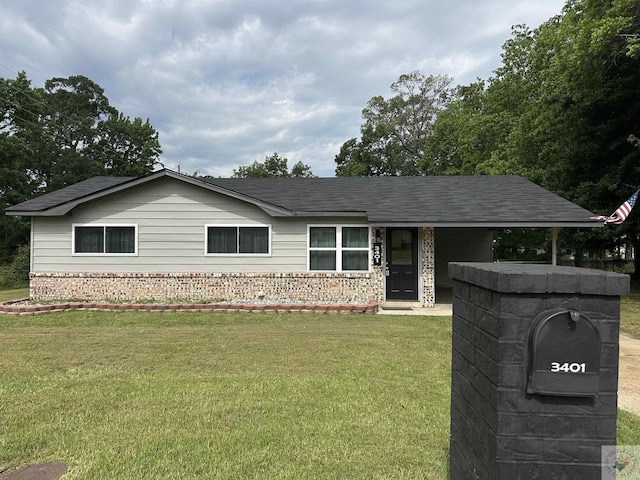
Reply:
x=66, y=207
x=307, y=213
x=489, y=224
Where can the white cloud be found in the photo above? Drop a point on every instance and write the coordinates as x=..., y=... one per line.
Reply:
x=228, y=82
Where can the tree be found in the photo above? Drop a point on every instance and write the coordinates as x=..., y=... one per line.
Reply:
x=273, y=166
x=61, y=134
x=15, y=185
x=467, y=135
x=14, y=188
x=72, y=109
x=125, y=147
x=73, y=132
x=395, y=131
x=591, y=85
x=562, y=110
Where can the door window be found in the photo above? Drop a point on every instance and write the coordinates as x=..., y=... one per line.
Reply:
x=401, y=247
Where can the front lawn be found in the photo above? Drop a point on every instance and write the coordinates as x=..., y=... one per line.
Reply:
x=193, y=395
x=124, y=395
x=15, y=294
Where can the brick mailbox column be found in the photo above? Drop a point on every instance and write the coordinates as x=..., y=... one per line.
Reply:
x=540, y=329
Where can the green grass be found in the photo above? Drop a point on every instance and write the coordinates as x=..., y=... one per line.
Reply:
x=630, y=313
x=123, y=395
x=628, y=428
x=192, y=395
x=13, y=294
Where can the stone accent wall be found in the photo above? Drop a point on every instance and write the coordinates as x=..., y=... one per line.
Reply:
x=498, y=431
x=428, y=267
x=377, y=273
x=342, y=288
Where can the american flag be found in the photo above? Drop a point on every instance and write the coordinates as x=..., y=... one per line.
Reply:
x=621, y=214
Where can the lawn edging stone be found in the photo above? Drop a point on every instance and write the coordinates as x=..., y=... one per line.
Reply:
x=22, y=307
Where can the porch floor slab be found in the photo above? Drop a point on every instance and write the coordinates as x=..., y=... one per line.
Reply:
x=415, y=308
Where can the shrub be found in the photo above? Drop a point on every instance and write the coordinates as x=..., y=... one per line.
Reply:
x=16, y=274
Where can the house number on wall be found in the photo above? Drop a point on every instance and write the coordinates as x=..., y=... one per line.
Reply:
x=568, y=367
x=377, y=254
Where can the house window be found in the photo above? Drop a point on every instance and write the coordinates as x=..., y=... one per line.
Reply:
x=238, y=240
x=105, y=239
x=340, y=248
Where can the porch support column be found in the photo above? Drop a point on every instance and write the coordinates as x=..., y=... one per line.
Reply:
x=554, y=245
x=427, y=269
x=379, y=234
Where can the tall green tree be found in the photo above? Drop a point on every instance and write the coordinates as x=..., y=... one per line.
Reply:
x=588, y=105
x=562, y=110
x=273, y=166
x=60, y=134
x=125, y=147
x=395, y=130
x=74, y=133
x=469, y=135
x=72, y=109
x=16, y=185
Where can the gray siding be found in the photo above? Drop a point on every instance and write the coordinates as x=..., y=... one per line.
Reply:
x=171, y=216
x=459, y=245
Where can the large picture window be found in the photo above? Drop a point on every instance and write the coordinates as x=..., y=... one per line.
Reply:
x=105, y=239
x=338, y=248
x=238, y=240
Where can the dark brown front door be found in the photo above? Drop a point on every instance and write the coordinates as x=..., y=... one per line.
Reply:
x=402, y=263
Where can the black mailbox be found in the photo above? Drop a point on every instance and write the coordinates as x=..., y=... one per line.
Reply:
x=564, y=355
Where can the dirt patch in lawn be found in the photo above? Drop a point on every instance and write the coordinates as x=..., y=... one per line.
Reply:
x=42, y=471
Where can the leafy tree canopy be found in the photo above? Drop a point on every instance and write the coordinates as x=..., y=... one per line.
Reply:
x=60, y=134
x=563, y=110
x=395, y=130
x=273, y=166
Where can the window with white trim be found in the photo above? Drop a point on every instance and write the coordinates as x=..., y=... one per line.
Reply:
x=338, y=248
x=238, y=240
x=99, y=239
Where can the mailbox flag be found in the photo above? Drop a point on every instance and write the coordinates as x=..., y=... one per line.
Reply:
x=621, y=214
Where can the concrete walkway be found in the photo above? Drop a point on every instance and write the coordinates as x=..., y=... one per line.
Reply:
x=414, y=308
x=629, y=374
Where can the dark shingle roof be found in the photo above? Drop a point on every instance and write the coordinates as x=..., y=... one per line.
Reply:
x=452, y=200
x=426, y=200
x=67, y=194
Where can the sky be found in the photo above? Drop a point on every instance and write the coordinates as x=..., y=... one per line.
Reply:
x=228, y=82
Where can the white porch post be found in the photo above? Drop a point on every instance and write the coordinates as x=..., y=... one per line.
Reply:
x=554, y=245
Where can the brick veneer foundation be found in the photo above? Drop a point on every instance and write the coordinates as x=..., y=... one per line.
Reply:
x=352, y=288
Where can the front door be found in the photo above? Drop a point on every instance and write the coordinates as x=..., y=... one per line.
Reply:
x=402, y=263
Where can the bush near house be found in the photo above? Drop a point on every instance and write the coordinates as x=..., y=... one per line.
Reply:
x=16, y=274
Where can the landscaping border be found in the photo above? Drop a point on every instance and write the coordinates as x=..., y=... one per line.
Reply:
x=10, y=307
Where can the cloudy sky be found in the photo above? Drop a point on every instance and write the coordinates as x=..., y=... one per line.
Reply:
x=227, y=82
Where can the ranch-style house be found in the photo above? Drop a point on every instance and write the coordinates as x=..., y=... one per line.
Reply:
x=167, y=236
